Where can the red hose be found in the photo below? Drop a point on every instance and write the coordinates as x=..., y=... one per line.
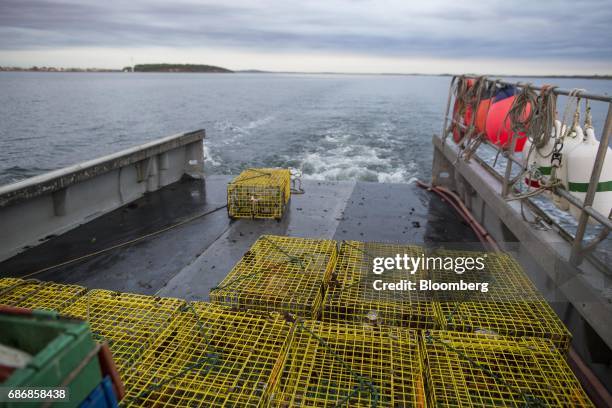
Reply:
x=465, y=213
x=490, y=240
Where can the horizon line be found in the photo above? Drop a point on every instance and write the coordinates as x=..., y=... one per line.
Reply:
x=11, y=68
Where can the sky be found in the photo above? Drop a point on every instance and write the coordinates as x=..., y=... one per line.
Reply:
x=520, y=37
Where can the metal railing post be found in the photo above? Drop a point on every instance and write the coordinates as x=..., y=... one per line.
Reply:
x=510, y=158
x=576, y=256
x=444, y=133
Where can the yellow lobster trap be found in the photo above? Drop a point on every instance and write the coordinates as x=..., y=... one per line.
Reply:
x=6, y=282
x=512, y=306
x=259, y=193
x=476, y=370
x=338, y=365
x=355, y=292
x=211, y=356
x=128, y=322
x=284, y=274
x=34, y=294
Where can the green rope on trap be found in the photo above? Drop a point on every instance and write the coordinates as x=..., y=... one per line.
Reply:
x=262, y=174
x=530, y=400
x=238, y=279
x=211, y=357
x=10, y=288
x=214, y=359
x=357, y=248
x=291, y=259
x=365, y=384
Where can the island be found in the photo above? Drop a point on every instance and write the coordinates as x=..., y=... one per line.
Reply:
x=178, y=68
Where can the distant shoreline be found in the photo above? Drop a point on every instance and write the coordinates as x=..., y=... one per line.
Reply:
x=198, y=69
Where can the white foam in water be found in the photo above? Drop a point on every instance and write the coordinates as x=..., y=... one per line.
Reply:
x=254, y=124
x=208, y=157
x=356, y=162
x=233, y=132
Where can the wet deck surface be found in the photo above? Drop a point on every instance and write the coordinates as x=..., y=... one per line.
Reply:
x=188, y=260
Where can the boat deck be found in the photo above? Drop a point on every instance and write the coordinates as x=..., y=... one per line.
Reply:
x=188, y=260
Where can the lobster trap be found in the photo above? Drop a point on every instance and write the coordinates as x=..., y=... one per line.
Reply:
x=259, y=193
x=34, y=294
x=512, y=306
x=505, y=277
x=514, y=319
x=128, y=322
x=211, y=356
x=284, y=274
x=333, y=365
x=478, y=370
x=352, y=295
x=6, y=282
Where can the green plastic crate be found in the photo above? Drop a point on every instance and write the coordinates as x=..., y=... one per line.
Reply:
x=63, y=351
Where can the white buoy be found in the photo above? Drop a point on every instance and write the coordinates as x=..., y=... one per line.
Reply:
x=580, y=161
x=572, y=140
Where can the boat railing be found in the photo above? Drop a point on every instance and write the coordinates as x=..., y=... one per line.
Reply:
x=579, y=248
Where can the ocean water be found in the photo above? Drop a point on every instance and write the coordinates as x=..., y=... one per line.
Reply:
x=333, y=127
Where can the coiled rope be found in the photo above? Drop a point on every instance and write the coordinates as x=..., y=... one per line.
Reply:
x=468, y=97
x=460, y=92
x=542, y=127
x=488, y=88
x=521, y=113
x=538, y=125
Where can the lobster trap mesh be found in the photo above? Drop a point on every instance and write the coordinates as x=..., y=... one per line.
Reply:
x=279, y=274
x=512, y=306
x=212, y=356
x=515, y=319
x=333, y=365
x=6, y=282
x=352, y=296
x=34, y=294
x=465, y=369
x=259, y=193
x=505, y=277
x=128, y=322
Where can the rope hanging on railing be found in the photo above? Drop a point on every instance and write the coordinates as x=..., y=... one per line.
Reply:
x=468, y=97
x=539, y=127
x=521, y=113
x=542, y=127
x=460, y=92
x=573, y=100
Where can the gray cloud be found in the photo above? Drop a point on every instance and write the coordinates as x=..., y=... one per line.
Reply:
x=484, y=29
